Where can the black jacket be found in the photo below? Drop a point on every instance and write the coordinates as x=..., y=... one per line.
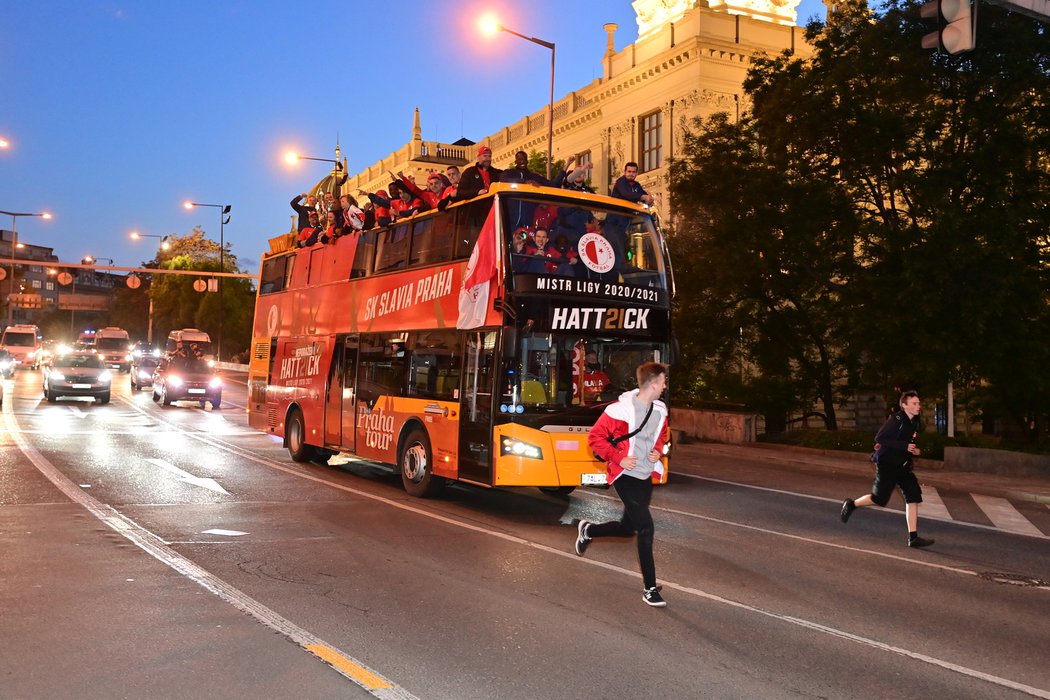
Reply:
x=470, y=184
x=894, y=437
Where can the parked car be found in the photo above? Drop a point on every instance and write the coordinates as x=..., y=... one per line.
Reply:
x=78, y=373
x=7, y=364
x=186, y=379
x=142, y=368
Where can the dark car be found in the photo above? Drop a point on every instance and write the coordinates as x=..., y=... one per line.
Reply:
x=186, y=379
x=142, y=368
x=78, y=373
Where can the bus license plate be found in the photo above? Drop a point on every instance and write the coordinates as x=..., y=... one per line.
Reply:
x=197, y=391
x=593, y=479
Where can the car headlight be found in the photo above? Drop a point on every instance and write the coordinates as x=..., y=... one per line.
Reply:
x=174, y=380
x=215, y=383
x=56, y=376
x=127, y=358
x=143, y=374
x=105, y=376
x=517, y=448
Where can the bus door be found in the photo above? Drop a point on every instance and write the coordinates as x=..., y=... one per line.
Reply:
x=340, y=410
x=475, y=421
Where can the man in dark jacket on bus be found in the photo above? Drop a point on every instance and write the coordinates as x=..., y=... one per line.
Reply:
x=479, y=177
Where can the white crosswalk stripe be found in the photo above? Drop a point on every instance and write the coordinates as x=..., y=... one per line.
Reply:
x=932, y=505
x=1004, y=516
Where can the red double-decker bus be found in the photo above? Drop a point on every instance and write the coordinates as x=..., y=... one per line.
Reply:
x=457, y=345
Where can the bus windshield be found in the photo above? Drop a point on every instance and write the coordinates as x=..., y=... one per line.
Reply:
x=546, y=237
x=560, y=370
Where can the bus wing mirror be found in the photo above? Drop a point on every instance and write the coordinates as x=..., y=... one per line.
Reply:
x=510, y=341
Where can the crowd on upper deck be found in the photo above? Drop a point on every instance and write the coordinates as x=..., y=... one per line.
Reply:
x=325, y=219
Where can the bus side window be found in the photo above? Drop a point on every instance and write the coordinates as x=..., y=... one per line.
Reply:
x=432, y=240
x=392, y=248
x=382, y=367
x=366, y=246
x=471, y=218
x=433, y=365
x=273, y=276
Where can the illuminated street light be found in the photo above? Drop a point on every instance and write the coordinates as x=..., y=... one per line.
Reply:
x=14, y=246
x=224, y=218
x=164, y=244
x=490, y=26
x=4, y=143
x=291, y=158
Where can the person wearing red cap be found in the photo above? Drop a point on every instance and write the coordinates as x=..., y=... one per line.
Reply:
x=479, y=177
x=437, y=185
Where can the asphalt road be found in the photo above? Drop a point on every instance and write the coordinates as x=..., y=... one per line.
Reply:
x=173, y=552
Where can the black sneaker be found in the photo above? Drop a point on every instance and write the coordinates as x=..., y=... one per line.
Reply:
x=920, y=542
x=848, y=506
x=582, y=540
x=652, y=597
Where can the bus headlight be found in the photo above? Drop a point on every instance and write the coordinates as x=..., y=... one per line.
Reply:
x=517, y=448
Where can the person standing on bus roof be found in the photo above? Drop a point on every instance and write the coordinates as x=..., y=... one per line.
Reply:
x=479, y=177
x=521, y=174
x=627, y=187
x=436, y=186
x=381, y=202
x=630, y=465
x=303, y=210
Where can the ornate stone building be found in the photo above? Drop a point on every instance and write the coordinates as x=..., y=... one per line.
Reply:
x=689, y=60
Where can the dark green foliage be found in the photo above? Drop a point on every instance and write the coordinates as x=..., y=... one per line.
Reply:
x=879, y=218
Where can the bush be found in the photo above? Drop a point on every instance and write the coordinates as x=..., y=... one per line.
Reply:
x=932, y=444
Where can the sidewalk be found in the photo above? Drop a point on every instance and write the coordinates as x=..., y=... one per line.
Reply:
x=1033, y=489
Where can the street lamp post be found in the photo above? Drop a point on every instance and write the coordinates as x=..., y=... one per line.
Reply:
x=73, y=303
x=224, y=218
x=164, y=245
x=14, y=245
x=491, y=26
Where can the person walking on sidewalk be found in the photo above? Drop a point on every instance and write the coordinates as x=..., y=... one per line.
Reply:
x=629, y=436
x=895, y=447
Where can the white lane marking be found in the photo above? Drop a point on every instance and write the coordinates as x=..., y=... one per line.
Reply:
x=186, y=477
x=932, y=506
x=229, y=533
x=75, y=410
x=1005, y=516
x=343, y=663
x=825, y=499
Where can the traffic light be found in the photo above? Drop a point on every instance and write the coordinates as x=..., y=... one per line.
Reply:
x=956, y=30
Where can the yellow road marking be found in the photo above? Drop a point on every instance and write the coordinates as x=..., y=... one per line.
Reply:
x=358, y=672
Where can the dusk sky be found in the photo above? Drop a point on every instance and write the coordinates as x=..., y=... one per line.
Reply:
x=118, y=111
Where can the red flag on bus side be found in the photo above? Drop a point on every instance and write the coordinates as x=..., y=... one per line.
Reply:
x=479, y=277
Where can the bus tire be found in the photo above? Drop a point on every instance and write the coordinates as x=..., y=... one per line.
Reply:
x=295, y=436
x=558, y=490
x=416, y=464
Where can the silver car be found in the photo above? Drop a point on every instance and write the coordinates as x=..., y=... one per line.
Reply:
x=78, y=373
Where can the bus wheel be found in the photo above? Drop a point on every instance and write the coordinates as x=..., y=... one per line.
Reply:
x=295, y=433
x=558, y=490
x=417, y=466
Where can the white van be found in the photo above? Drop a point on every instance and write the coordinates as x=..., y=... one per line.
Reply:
x=191, y=339
x=114, y=347
x=22, y=342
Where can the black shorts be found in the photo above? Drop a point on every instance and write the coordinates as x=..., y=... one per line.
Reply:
x=887, y=477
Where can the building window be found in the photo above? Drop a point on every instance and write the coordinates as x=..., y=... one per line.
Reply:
x=50, y=286
x=583, y=159
x=652, y=153
x=36, y=284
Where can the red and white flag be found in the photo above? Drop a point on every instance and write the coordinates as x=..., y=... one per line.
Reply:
x=480, y=276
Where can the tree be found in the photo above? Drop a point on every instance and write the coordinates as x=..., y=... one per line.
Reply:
x=176, y=304
x=922, y=255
